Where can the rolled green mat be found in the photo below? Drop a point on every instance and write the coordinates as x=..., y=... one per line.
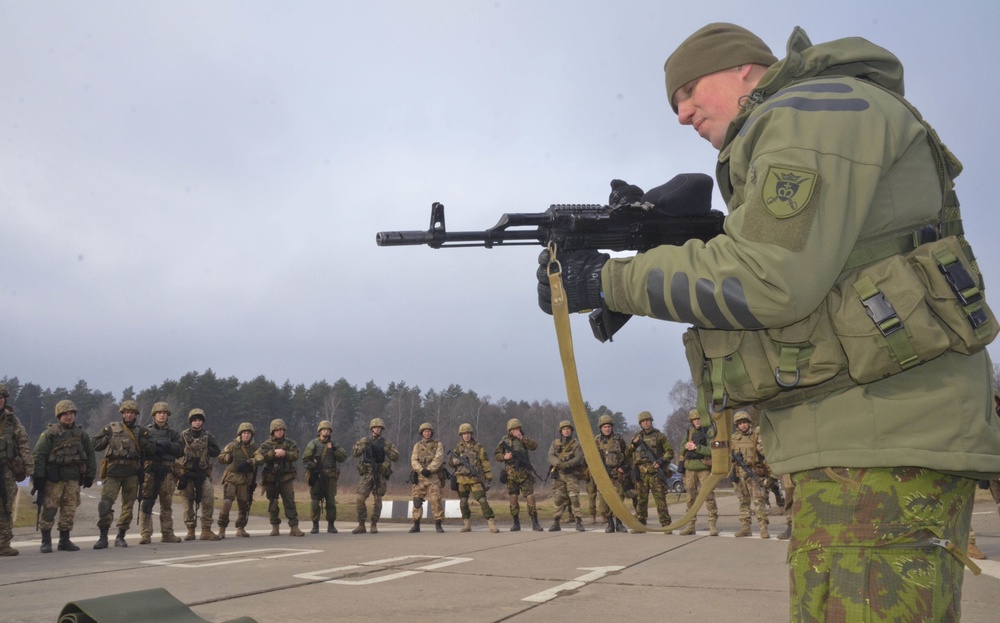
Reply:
x=155, y=605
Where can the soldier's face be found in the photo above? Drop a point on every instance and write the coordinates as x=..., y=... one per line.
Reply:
x=3, y=402
x=160, y=417
x=710, y=103
x=278, y=433
x=566, y=431
x=606, y=429
x=696, y=422
x=377, y=431
x=466, y=436
x=246, y=436
x=427, y=433
x=197, y=423
x=515, y=432
x=324, y=433
x=646, y=424
x=128, y=416
x=67, y=418
x=744, y=426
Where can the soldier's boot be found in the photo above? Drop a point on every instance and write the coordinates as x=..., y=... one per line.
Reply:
x=787, y=534
x=713, y=527
x=466, y=525
x=360, y=529
x=274, y=530
x=190, y=534
x=555, y=526
x=744, y=531
x=437, y=526
x=975, y=552
x=416, y=526
x=689, y=530
x=120, y=539
x=208, y=535
x=535, y=525
x=620, y=527
x=65, y=545
x=169, y=537
x=374, y=527
x=593, y=519
x=579, y=525
x=315, y=528
x=222, y=532
x=145, y=539
x=611, y=525
x=294, y=531
x=330, y=528
x=764, y=534
x=7, y=550
x=493, y=526
x=240, y=532
x=46, y=547
x=102, y=541
x=517, y=524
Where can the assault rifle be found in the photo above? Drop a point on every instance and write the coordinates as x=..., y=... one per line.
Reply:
x=739, y=460
x=467, y=464
x=657, y=463
x=520, y=459
x=672, y=214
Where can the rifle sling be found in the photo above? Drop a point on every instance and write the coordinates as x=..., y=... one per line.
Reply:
x=560, y=315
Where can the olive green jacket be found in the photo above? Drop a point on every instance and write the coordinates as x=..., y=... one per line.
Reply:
x=866, y=170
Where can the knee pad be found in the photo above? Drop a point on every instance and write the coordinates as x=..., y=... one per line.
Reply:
x=104, y=508
x=418, y=502
x=49, y=514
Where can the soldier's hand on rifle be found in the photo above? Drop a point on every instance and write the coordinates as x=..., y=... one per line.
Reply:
x=162, y=445
x=245, y=467
x=623, y=193
x=88, y=482
x=581, y=275
x=426, y=473
x=37, y=484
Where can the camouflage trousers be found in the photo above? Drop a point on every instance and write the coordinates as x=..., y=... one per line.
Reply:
x=323, y=497
x=128, y=489
x=478, y=494
x=602, y=505
x=650, y=482
x=789, y=486
x=285, y=491
x=591, y=497
x=241, y=495
x=427, y=488
x=749, y=493
x=366, y=487
x=566, y=496
x=521, y=482
x=870, y=544
x=60, y=497
x=7, y=515
x=206, y=508
x=165, y=496
x=693, y=481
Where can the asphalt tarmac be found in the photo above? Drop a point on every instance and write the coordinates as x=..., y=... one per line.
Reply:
x=555, y=577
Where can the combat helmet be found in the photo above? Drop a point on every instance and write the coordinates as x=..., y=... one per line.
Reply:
x=566, y=423
x=376, y=422
x=465, y=428
x=645, y=415
x=742, y=416
x=129, y=405
x=196, y=413
x=513, y=423
x=425, y=426
x=693, y=415
x=324, y=424
x=245, y=426
x=605, y=419
x=277, y=423
x=65, y=406
x=160, y=406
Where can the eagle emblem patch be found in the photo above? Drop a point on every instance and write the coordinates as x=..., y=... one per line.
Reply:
x=787, y=191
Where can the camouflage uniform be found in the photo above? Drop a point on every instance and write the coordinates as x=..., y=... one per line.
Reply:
x=320, y=460
x=567, y=464
x=747, y=488
x=278, y=477
x=519, y=473
x=647, y=476
x=238, y=480
x=161, y=478
x=427, y=463
x=196, y=477
x=63, y=461
x=15, y=464
x=614, y=455
x=377, y=455
x=697, y=469
x=473, y=481
x=125, y=442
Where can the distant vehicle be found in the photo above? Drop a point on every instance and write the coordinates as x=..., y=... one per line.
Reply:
x=675, y=484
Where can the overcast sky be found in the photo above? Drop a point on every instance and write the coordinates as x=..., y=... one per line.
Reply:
x=193, y=185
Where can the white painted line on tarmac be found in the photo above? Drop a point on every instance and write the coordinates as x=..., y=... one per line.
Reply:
x=596, y=573
x=326, y=574
x=228, y=558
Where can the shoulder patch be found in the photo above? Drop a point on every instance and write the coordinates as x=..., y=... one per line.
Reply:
x=785, y=192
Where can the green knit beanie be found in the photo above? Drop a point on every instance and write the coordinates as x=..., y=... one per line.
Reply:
x=713, y=48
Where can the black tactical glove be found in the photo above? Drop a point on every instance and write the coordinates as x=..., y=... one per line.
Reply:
x=623, y=193
x=162, y=445
x=426, y=473
x=581, y=274
x=37, y=485
x=244, y=467
x=182, y=482
x=88, y=483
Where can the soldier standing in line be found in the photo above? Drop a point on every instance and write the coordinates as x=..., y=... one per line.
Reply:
x=613, y=456
x=567, y=461
x=513, y=452
x=63, y=461
x=239, y=480
x=650, y=441
x=278, y=455
x=161, y=479
x=473, y=475
x=697, y=468
x=320, y=460
x=126, y=443
x=196, y=476
x=376, y=455
x=427, y=462
x=746, y=443
x=15, y=464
